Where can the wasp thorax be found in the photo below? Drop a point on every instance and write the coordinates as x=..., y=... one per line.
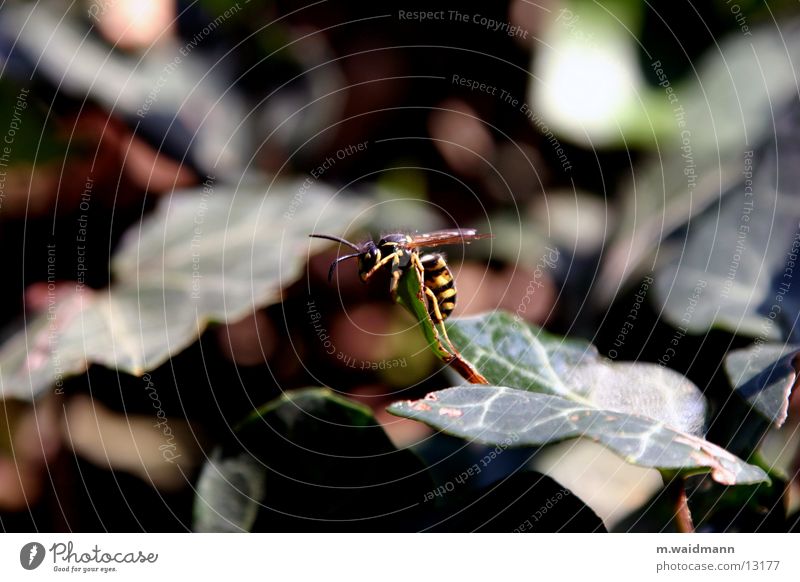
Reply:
x=393, y=240
x=398, y=252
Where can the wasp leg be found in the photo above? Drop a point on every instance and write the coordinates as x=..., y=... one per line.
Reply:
x=396, y=272
x=437, y=317
x=434, y=303
x=395, y=256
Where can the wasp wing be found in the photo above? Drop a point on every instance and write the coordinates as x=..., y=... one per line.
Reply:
x=450, y=236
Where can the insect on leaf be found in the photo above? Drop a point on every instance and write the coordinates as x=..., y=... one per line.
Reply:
x=410, y=294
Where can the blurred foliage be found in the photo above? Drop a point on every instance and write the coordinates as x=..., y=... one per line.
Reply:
x=188, y=264
x=319, y=459
x=612, y=147
x=765, y=375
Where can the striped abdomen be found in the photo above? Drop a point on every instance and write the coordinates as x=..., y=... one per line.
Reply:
x=439, y=280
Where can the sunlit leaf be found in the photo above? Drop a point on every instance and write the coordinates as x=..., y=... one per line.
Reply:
x=510, y=352
x=548, y=389
x=498, y=414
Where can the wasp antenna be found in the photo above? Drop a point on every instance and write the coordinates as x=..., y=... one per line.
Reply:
x=336, y=262
x=335, y=239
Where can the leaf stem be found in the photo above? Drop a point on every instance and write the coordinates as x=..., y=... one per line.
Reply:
x=676, y=489
x=411, y=295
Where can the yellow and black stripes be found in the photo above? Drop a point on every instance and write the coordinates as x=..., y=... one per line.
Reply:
x=400, y=252
x=439, y=279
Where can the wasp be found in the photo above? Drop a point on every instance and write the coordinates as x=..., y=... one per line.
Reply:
x=400, y=251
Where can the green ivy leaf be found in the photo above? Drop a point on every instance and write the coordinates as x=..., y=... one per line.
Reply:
x=513, y=417
x=509, y=352
x=310, y=460
x=548, y=389
x=206, y=255
x=764, y=375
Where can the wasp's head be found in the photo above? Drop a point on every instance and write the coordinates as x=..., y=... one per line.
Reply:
x=367, y=254
x=367, y=258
